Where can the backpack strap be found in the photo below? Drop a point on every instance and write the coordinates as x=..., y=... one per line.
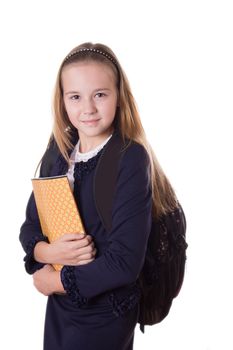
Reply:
x=105, y=178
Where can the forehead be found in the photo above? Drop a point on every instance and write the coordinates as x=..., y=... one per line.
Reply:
x=89, y=71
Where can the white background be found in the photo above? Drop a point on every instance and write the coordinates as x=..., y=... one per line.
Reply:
x=178, y=58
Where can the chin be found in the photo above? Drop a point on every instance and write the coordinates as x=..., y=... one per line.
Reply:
x=94, y=131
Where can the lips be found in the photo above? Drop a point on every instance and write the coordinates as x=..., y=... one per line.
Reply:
x=92, y=121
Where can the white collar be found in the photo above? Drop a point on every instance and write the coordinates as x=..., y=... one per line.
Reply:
x=78, y=156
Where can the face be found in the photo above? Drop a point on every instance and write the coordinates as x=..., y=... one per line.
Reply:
x=90, y=99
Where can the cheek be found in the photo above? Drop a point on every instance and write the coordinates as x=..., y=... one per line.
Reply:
x=70, y=113
x=71, y=108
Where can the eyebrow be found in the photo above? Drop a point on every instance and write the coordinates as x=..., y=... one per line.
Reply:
x=77, y=92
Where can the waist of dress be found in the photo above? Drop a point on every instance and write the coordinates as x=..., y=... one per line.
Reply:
x=120, y=300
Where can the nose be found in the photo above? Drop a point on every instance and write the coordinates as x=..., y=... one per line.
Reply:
x=88, y=106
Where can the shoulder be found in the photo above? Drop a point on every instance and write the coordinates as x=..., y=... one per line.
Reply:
x=123, y=153
x=135, y=154
x=50, y=157
x=134, y=165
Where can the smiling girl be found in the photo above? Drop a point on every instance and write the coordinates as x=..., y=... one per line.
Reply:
x=93, y=302
x=90, y=99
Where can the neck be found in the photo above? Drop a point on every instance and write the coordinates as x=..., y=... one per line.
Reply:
x=89, y=143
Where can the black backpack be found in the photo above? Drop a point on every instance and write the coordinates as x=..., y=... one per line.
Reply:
x=162, y=274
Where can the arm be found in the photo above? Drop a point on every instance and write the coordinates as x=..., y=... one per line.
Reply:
x=47, y=281
x=69, y=249
x=30, y=235
x=131, y=223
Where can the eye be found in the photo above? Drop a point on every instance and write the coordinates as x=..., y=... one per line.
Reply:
x=74, y=97
x=100, y=94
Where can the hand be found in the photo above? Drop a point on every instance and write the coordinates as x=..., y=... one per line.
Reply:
x=47, y=281
x=70, y=249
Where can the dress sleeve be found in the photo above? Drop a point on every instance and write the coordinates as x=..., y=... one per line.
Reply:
x=123, y=259
x=30, y=231
x=30, y=234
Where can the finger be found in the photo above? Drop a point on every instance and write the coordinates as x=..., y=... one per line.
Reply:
x=48, y=267
x=83, y=247
x=86, y=256
x=85, y=242
x=72, y=237
x=84, y=262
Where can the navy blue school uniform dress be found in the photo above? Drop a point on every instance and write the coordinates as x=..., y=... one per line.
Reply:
x=100, y=308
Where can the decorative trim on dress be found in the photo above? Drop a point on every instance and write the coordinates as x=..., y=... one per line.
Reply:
x=121, y=306
x=31, y=265
x=69, y=282
x=83, y=168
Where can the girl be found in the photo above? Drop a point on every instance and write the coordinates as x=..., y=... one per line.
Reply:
x=93, y=302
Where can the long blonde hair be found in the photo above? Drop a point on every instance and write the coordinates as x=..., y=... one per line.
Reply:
x=127, y=120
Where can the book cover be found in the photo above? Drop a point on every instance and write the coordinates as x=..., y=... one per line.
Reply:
x=56, y=206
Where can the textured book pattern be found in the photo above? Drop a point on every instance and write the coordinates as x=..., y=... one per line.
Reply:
x=57, y=209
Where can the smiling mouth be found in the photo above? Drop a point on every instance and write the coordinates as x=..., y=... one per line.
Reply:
x=90, y=121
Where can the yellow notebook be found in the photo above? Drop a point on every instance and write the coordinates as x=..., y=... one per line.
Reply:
x=57, y=209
